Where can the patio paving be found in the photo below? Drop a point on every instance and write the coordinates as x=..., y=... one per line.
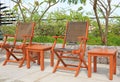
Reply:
x=11, y=73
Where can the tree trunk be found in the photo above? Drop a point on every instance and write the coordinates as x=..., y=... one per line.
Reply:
x=98, y=21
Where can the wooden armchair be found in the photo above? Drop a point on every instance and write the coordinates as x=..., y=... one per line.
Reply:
x=73, y=48
x=23, y=37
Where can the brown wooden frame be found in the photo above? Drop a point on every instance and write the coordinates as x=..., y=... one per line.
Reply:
x=22, y=34
x=80, y=52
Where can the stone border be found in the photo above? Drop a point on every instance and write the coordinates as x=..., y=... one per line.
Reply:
x=101, y=60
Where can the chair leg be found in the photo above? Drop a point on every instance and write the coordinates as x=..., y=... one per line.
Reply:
x=55, y=68
x=60, y=59
x=7, y=58
x=84, y=62
x=52, y=58
x=79, y=66
x=10, y=53
x=57, y=64
x=33, y=60
x=22, y=61
x=21, y=64
x=78, y=69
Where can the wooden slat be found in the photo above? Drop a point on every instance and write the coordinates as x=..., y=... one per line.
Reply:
x=70, y=57
x=66, y=68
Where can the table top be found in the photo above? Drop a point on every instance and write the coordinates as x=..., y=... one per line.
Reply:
x=38, y=47
x=102, y=51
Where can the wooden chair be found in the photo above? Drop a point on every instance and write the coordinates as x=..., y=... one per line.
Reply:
x=73, y=48
x=23, y=37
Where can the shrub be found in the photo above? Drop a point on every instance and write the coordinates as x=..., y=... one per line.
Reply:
x=45, y=39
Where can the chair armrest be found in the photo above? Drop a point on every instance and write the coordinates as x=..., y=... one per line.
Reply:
x=9, y=35
x=76, y=51
x=82, y=37
x=5, y=39
x=55, y=41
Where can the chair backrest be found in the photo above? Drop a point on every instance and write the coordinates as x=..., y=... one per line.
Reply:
x=73, y=31
x=24, y=29
x=76, y=29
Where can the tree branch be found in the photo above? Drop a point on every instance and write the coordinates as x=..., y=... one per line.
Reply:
x=115, y=8
x=47, y=10
x=102, y=5
x=18, y=3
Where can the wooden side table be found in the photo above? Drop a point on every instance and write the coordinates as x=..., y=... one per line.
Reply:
x=39, y=49
x=104, y=52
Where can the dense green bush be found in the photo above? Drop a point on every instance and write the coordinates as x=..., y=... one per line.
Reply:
x=50, y=28
x=45, y=39
x=93, y=40
x=113, y=39
x=44, y=33
x=8, y=29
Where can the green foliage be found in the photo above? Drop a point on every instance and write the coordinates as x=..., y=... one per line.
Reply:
x=28, y=10
x=51, y=28
x=8, y=29
x=115, y=28
x=45, y=39
x=74, y=1
x=113, y=39
x=113, y=34
x=95, y=32
x=56, y=22
x=93, y=40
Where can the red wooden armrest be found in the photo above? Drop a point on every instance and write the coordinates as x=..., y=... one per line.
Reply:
x=82, y=37
x=9, y=35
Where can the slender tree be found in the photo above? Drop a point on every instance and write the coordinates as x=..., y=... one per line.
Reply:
x=33, y=8
x=102, y=8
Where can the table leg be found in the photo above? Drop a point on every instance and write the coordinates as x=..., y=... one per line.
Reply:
x=114, y=63
x=89, y=65
x=52, y=58
x=28, y=58
x=38, y=60
x=42, y=60
x=95, y=63
x=111, y=68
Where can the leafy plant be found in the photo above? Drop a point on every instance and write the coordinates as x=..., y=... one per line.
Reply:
x=45, y=39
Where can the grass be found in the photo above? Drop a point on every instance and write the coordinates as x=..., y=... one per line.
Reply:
x=45, y=39
x=92, y=40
